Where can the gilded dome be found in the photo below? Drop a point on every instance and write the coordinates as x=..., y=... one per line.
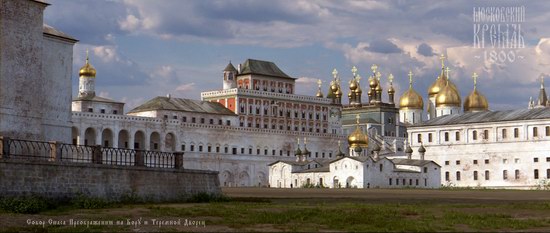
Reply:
x=87, y=70
x=319, y=94
x=411, y=100
x=391, y=90
x=439, y=84
x=358, y=90
x=333, y=86
x=475, y=102
x=357, y=138
x=378, y=86
x=448, y=96
x=372, y=82
x=353, y=85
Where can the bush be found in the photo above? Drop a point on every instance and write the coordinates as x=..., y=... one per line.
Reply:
x=24, y=205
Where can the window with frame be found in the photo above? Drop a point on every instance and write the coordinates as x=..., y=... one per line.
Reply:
x=447, y=176
x=504, y=133
x=487, y=175
x=536, y=174
x=516, y=174
x=475, y=175
x=516, y=133
x=457, y=136
x=446, y=136
x=474, y=135
x=429, y=137
x=535, y=131
x=475, y=161
x=457, y=176
x=485, y=134
x=419, y=138
x=547, y=130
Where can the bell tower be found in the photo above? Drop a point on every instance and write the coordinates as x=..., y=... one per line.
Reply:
x=86, y=84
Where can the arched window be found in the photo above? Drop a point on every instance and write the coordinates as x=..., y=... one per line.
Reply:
x=504, y=133
x=475, y=175
x=535, y=131
x=547, y=129
x=516, y=133
x=457, y=136
x=457, y=176
x=485, y=134
x=486, y=175
x=446, y=136
x=474, y=135
x=419, y=138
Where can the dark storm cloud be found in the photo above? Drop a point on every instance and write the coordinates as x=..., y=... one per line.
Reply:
x=383, y=46
x=425, y=50
x=88, y=21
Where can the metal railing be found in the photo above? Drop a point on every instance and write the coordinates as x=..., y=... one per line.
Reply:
x=56, y=151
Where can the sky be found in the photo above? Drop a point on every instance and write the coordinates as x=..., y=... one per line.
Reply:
x=143, y=49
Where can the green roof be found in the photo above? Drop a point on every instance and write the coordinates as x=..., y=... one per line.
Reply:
x=182, y=105
x=251, y=66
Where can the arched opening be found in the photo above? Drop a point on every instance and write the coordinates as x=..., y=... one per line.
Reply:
x=350, y=182
x=123, y=139
x=335, y=182
x=154, y=141
x=226, y=179
x=139, y=140
x=89, y=137
x=244, y=179
x=75, y=135
x=107, y=138
x=170, y=142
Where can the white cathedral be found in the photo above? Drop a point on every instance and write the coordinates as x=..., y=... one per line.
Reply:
x=248, y=129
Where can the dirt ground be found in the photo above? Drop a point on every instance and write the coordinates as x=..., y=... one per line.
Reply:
x=390, y=195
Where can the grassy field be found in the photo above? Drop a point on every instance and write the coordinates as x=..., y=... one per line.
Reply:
x=296, y=214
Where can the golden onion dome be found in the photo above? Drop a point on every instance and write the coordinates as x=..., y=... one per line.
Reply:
x=339, y=92
x=475, y=102
x=358, y=90
x=357, y=138
x=372, y=82
x=378, y=87
x=87, y=70
x=333, y=86
x=353, y=84
x=411, y=100
x=391, y=90
x=319, y=94
x=448, y=96
x=439, y=84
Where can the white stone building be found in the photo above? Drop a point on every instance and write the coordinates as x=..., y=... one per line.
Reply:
x=358, y=169
x=34, y=60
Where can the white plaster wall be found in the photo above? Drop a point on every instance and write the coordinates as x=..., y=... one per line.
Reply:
x=502, y=153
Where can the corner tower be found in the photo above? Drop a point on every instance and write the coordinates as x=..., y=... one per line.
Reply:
x=229, y=77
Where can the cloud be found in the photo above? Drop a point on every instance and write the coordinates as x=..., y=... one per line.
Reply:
x=383, y=46
x=106, y=53
x=186, y=87
x=425, y=50
x=307, y=80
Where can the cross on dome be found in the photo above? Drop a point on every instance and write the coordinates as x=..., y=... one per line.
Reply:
x=354, y=71
x=442, y=58
x=334, y=73
x=374, y=67
x=410, y=78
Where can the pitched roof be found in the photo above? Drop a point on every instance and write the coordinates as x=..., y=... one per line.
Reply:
x=96, y=99
x=483, y=117
x=229, y=67
x=182, y=105
x=412, y=162
x=47, y=29
x=251, y=66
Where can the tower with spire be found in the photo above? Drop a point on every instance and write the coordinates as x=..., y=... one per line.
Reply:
x=542, y=101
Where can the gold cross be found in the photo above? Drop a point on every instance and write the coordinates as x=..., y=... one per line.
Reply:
x=87, y=57
x=542, y=80
x=354, y=71
x=374, y=67
x=334, y=73
x=447, y=72
x=475, y=79
x=390, y=77
x=442, y=58
x=319, y=82
x=358, y=77
x=378, y=75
